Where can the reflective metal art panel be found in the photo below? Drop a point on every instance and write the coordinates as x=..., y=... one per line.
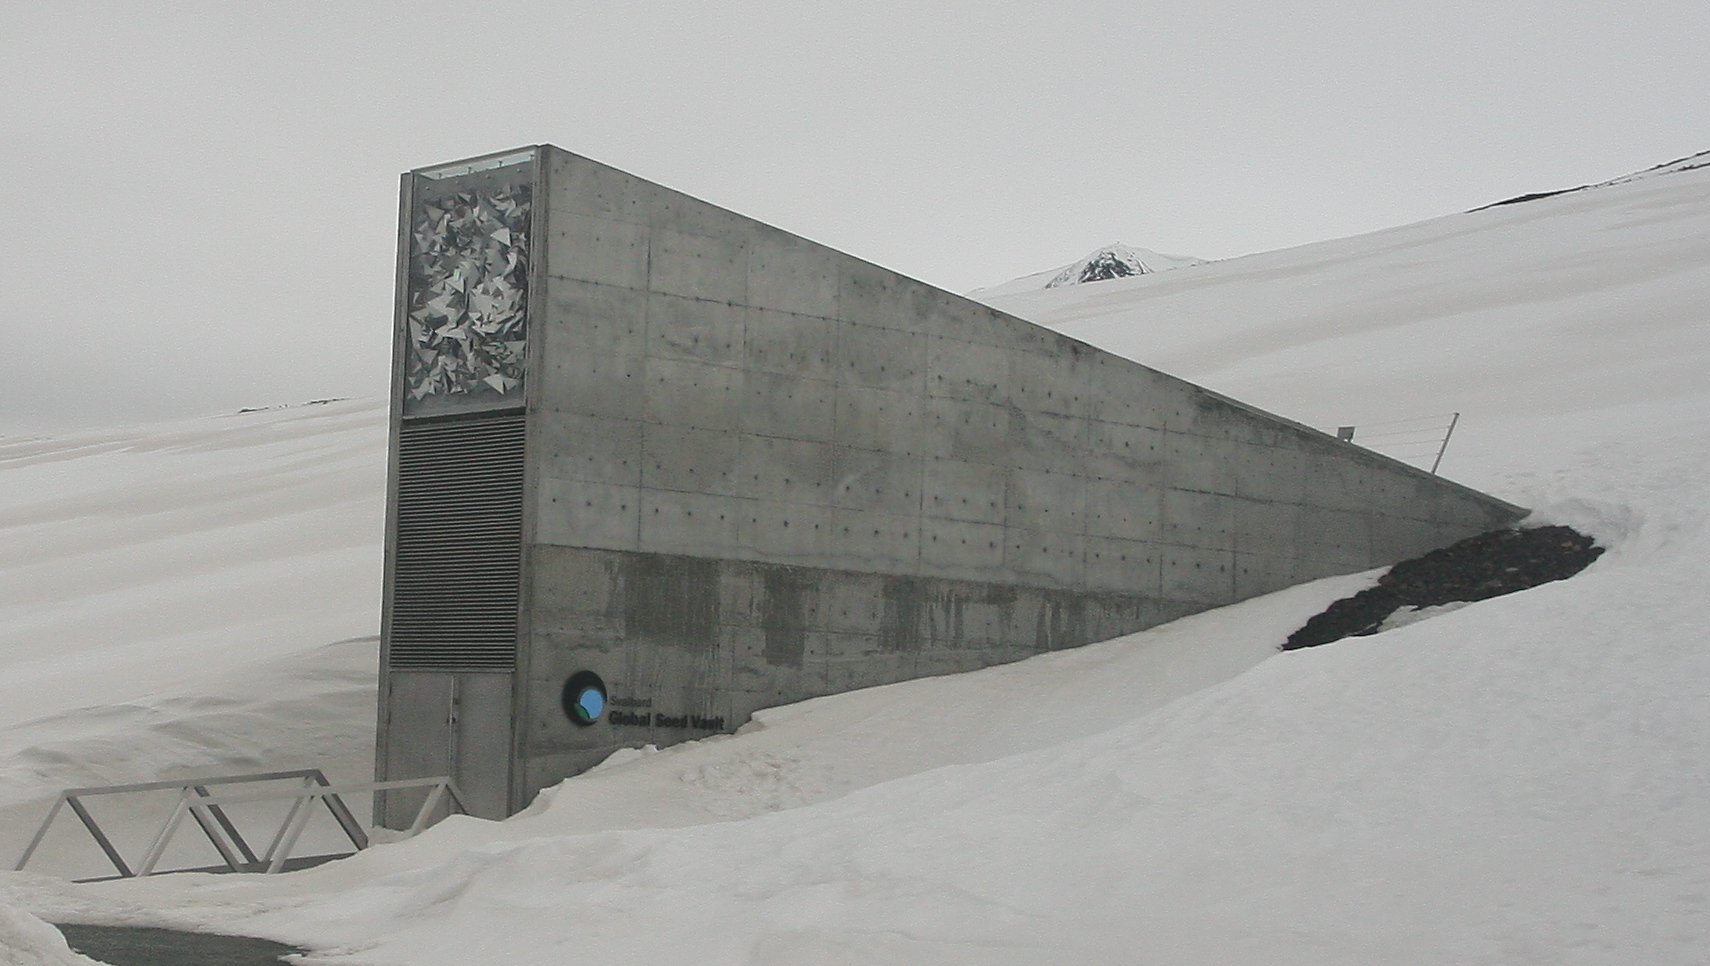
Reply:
x=468, y=308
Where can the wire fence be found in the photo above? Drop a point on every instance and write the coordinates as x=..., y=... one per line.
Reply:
x=1419, y=441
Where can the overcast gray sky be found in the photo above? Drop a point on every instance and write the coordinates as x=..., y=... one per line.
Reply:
x=199, y=200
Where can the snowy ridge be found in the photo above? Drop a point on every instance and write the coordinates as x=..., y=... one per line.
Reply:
x=1691, y=162
x=1517, y=780
x=1107, y=262
x=1688, y=163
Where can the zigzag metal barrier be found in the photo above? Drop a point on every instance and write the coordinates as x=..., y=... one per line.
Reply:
x=207, y=809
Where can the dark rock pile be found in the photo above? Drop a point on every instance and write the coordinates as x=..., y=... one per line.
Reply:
x=1477, y=568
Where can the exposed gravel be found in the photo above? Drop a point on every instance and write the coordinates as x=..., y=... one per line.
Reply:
x=1477, y=568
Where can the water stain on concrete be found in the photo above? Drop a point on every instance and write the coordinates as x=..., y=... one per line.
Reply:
x=672, y=600
x=783, y=614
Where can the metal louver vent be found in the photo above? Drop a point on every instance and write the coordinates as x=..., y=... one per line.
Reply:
x=456, y=567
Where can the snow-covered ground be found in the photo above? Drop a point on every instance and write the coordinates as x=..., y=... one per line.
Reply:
x=1522, y=780
x=188, y=598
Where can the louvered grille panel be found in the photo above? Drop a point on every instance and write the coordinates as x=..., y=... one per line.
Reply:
x=457, y=559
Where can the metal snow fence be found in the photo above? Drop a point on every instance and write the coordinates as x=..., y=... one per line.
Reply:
x=196, y=801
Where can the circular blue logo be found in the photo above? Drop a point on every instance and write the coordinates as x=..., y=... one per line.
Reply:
x=584, y=698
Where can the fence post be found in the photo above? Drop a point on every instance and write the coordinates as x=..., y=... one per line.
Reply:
x=1440, y=450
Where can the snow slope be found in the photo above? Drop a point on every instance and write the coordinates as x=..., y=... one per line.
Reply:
x=188, y=598
x=1589, y=306
x=1521, y=780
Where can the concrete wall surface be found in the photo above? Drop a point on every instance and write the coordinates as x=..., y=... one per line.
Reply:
x=760, y=470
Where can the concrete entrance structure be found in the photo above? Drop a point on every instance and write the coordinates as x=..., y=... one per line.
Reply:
x=657, y=465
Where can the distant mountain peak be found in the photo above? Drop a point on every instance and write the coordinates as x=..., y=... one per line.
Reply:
x=1111, y=261
x=1106, y=262
x=1117, y=260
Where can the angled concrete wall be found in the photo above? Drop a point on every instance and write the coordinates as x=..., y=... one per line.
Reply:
x=763, y=470
x=724, y=468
